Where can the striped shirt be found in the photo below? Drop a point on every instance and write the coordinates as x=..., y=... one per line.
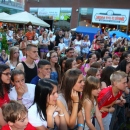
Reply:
x=106, y=98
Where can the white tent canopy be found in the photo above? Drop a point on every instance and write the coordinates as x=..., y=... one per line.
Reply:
x=3, y=14
x=73, y=29
x=24, y=18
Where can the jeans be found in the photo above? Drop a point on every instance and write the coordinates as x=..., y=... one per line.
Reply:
x=106, y=122
x=121, y=118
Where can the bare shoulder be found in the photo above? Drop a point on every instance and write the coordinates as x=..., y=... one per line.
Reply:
x=87, y=103
x=20, y=67
x=61, y=105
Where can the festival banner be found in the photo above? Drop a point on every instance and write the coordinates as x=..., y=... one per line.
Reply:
x=52, y=13
x=110, y=16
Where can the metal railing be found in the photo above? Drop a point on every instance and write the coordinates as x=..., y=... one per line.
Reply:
x=12, y=3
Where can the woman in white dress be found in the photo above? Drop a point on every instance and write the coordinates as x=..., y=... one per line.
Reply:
x=85, y=45
x=67, y=40
x=35, y=41
x=77, y=44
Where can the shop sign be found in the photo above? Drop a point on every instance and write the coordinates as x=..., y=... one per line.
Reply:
x=52, y=13
x=65, y=16
x=110, y=16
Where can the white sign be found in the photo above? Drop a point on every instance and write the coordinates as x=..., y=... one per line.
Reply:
x=110, y=16
x=54, y=13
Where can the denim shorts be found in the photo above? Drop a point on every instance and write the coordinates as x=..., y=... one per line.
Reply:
x=44, y=50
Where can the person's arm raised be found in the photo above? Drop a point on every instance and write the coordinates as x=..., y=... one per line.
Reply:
x=70, y=119
x=74, y=113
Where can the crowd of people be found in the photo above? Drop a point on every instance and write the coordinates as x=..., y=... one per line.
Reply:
x=63, y=81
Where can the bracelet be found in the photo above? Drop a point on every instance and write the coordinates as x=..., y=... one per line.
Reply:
x=75, y=102
x=19, y=99
x=61, y=114
x=80, y=125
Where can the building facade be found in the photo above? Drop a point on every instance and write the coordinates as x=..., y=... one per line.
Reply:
x=71, y=13
x=11, y=6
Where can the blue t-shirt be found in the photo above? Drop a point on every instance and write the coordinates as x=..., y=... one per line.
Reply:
x=35, y=80
x=54, y=76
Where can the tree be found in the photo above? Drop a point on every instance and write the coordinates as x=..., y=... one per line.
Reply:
x=6, y=10
x=4, y=44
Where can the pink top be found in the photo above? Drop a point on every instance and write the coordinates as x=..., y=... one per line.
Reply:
x=117, y=53
x=83, y=67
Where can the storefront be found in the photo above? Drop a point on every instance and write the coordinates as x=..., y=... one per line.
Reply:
x=105, y=18
x=56, y=17
x=80, y=12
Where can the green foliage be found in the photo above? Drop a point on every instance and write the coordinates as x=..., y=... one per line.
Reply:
x=6, y=10
x=4, y=43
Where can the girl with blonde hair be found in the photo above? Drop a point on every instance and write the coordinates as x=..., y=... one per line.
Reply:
x=13, y=57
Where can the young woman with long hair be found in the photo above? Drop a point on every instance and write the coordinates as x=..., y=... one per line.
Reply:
x=5, y=76
x=91, y=91
x=52, y=56
x=67, y=40
x=52, y=40
x=44, y=112
x=105, y=76
x=4, y=56
x=70, y=98
x=62, y=64
x=94, y=72
x=77, y=43
x=85, y=46
x=35, y=41
x=91, y=59
x=70, y=63
x=44, y=42
x=23, y=44
x=13, y=58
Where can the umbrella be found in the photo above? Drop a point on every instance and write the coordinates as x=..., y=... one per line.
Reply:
x=3, y=14
x=24, y=18
x=91, y=31
x=73, y=29
x=84, y=29
x=119, y=34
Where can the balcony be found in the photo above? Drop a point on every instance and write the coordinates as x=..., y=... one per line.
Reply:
x=12, y=4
